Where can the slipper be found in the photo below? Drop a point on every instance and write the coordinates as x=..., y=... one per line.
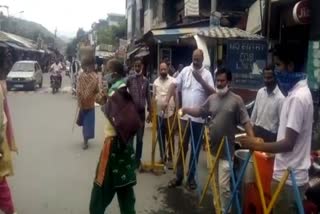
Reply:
x=85, y=146
x=174, y=183
x=192, y=185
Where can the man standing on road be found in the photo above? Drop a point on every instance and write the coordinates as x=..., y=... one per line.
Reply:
x=196, y=84
x=138, y=86
x=227, y=111
x=161, y=88
x=267, y=108
x=293, y=144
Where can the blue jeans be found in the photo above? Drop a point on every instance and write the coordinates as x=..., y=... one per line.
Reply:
x=196, y=128
x=88, y=123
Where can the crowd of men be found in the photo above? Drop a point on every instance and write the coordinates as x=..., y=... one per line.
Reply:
x=280, y=124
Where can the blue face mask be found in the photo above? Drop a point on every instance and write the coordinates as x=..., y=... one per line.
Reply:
x=287, y=80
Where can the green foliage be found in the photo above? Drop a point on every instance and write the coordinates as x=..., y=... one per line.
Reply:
x=110, y=34
x=106, y=35
x=72, y=46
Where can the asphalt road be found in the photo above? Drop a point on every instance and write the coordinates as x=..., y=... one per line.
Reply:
x=53, y=175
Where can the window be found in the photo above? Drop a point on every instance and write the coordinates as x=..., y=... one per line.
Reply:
x=23, y=67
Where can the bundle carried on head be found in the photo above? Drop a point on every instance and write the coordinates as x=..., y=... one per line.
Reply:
x=87, y=55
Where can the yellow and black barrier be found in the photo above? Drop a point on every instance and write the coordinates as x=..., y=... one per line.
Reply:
x=267, y=209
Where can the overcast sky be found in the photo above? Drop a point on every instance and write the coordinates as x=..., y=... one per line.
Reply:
x=65, y=15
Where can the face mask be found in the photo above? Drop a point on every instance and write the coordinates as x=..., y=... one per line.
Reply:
x=286, y=80
x=222, y=91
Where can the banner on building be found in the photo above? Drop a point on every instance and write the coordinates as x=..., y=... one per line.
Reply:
x=191, y=8
x=314, y=65
x=256, y=13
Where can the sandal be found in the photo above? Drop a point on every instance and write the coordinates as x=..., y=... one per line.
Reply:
x=192, y=185
x=174, y=183
x=85, y=146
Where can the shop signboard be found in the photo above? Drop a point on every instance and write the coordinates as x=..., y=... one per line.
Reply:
x=301, y=12
x=313, y=67
x=246, y=60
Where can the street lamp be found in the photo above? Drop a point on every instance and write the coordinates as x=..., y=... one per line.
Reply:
x=7, y=7
x=21, y=12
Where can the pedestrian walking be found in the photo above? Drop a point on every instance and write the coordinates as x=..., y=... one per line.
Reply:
x=116, y=168
x=87, y=89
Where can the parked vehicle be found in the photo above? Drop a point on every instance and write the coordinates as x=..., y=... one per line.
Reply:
x=25, y=75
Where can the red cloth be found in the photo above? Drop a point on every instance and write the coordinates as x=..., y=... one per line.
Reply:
x=6, y=203
x=310, y=208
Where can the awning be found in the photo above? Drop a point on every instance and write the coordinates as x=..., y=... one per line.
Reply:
x=104, y=54
x=132, y=51
x=169, y=35
x=15, y=46
x=9, y=37
x=225, y=33
x=144, y=51
x=3, y=45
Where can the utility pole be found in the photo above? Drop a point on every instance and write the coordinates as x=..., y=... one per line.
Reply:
x=214, y=15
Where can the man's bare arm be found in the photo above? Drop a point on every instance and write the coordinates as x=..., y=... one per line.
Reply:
x=249, y=129
x=282, y=146
x=194, y=112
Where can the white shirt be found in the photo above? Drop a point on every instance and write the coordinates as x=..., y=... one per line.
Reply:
x=193, y=94
x=56, y=67
x=160, y=89
x=267, y=109
x=296, y=114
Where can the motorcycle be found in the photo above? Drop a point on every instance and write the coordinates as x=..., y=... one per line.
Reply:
x=55, y=83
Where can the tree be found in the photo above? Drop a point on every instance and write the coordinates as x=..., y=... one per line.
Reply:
x=71, y=49
x=80, y=34
x=110, y=34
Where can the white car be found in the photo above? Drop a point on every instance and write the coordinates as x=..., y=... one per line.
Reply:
x=25, y=75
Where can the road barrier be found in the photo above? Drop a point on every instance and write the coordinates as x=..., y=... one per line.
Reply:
x=236, y=183
x=213, y=161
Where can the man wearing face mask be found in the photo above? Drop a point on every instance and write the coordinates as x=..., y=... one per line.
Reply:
x=195, y=84
x=267, y=108
x=161, y=88
x=138, y=86
x=227, y=111
x=293, y=144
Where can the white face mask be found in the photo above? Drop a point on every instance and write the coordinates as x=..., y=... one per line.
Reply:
x=222, y=91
